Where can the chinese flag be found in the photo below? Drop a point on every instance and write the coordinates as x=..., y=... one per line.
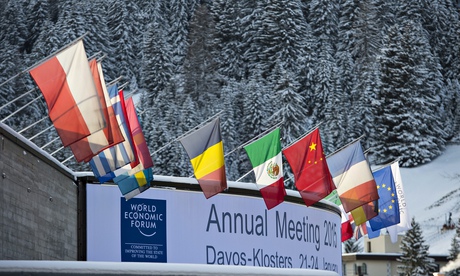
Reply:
x=308, y=163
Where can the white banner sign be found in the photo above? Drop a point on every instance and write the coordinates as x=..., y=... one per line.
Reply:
x=173, y=226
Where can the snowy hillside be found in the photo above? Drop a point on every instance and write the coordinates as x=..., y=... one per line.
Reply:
x=431, y=193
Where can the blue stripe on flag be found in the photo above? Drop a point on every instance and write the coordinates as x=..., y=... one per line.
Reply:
x=117, y=156
x=341, y=162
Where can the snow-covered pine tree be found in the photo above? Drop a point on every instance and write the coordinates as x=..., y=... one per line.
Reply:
x=157, y=68
x=125, y=42
x=414, y=259
x=201, y=81
x=324, y=23
x=233, y=98
x=287, y=104
x=408, y=112
x=229, y=41
x=351, y=246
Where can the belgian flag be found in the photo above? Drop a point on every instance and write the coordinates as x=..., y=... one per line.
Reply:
x=206, y=152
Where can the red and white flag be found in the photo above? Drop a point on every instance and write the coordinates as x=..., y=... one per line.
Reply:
x=110, y=135
x=67, y=85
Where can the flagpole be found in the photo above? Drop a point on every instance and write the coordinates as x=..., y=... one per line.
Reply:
x=130, y=93
x=198, y=126
x=387, y=164
x=246, y=174
x=17, y=98
x=244, y=144
x=45, y=59
x=67, y=159
x=185, y=134
x=54, y=152
x=123, y=85
x=49, y=143
x=303, y=136
x=31, y=125
x=357, y=139
x=114, y=81
x=101, y=58
x=21, y=108
x=260, y=135
x=41, y=132
x=95, y=54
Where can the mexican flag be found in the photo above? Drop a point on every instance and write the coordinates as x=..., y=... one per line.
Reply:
x=266, y=159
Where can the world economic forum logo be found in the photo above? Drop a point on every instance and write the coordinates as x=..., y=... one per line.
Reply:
x=143, y=230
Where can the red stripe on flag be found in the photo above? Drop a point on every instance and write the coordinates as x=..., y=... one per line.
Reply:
x=138, y=137
x=212, y=184
x=136, y=161
x=346, y=230
x=359, y=195
x=63, y=110
x=273, y=194
x=110, y=135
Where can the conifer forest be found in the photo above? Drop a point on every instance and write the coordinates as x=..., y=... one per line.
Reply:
x=385, y=71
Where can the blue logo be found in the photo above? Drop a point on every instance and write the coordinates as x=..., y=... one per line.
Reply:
x=143, y=230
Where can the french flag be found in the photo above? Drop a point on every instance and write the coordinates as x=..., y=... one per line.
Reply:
x=352, y=177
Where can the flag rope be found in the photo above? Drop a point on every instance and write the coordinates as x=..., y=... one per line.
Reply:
x=357, y=139
x=45, y=59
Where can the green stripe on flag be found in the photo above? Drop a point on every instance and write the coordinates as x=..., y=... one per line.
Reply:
x=264, y=149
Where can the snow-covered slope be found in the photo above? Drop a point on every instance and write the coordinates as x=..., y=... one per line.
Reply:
x=432, y=192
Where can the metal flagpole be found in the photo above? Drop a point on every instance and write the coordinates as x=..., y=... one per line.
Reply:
x=185, y=134
x=114, y=81
x=17, y=98
x=302, y=136
x=59, y=149
x=31, y=125
x=67, y=159
x=45, y=59
x=50, y=142
x=357, y=139
x=388, y=164
x=21, y=108
x=123, y=85
x=246, y=174
x=41, y=132
x=260, y=135
x=130, y=93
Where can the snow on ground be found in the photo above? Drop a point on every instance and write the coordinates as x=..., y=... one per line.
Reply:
x=432, y=193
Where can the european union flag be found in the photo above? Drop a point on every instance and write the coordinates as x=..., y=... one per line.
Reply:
x=388, y=201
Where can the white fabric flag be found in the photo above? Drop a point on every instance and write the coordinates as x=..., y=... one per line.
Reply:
x=405, y=219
